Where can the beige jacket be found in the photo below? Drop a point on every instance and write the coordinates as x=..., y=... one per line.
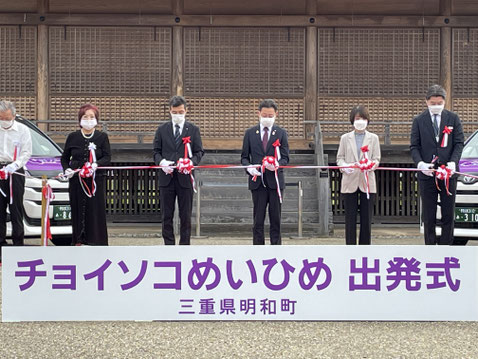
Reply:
x=347, y=154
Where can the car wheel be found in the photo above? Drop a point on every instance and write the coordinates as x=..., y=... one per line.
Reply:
x=61, y=240
x=460, y=241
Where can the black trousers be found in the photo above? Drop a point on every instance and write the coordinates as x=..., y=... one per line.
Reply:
x=168, y=196
x=262, y=197
x=429, y=194
x=365, y=208
x=16, y=209
x=88, y=215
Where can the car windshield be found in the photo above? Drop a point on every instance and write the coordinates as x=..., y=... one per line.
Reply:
x=471, y=148
x=41, y=146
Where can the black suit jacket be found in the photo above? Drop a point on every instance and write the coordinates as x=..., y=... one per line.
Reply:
x=165, y=148
x=423, y=145
x=253, y=153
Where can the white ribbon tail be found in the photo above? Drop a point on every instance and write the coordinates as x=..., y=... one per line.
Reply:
x=193, y=182
x=83, y=185
x=93, y=189
x=190, y=153
x=11, y=188
x=278, y=153
x=278, y=187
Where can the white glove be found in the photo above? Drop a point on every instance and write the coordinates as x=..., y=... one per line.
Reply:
x=347, y=170
x=451, y=166
x=168, y=170
x=12, y=167
x=67, y=174
x=272, y=167
x=254, y=172
x=425, y=168
x=94, y=165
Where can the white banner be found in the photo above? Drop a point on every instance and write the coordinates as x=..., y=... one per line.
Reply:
x=240, y=283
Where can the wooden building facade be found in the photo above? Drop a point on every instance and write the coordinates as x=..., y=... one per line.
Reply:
x=316, y=57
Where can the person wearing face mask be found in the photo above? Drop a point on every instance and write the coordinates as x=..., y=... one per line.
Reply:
x=15, y=151
x=175, y=176
x=88, y=214
x=354, y=185
x=258, y=144
x=437, y=139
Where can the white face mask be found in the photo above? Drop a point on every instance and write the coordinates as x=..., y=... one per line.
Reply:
x=178, y=118
x=267, y=121
x=88, y=124
x=6, y=124
x=360, y=124
x=436, y=109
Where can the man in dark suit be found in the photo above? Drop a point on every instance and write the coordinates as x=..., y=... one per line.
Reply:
x=169, y=152
x=437, y=139
x=259, y=143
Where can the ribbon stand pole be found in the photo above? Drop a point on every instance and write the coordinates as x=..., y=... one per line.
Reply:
x=43, y=207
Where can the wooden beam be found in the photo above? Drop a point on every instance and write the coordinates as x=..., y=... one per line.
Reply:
x=311, y=76
x=177, y=86
x=178, y=7
x=42, y=76
x=311, y=7
x=237, y=20
x=445, y=54
x=43, y=6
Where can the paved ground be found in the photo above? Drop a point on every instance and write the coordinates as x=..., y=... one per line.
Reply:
x=242, y=339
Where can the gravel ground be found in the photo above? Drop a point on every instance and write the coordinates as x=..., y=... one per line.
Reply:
x=242, y=339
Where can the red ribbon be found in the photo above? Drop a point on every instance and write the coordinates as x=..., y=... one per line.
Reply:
x=186, y=140
x=365, y=166
x=187, y=154
x=446, y=131
x=443, y=173
x=47, y=193
x=276, y=145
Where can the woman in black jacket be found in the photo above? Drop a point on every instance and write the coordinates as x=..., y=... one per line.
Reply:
x=87, y=192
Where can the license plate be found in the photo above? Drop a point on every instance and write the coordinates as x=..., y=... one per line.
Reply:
x=62, y=213
x=466, y=214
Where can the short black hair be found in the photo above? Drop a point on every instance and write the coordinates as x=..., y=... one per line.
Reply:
x=436, y=90
x=269, y=103
x=359, y=110
x=176, y=101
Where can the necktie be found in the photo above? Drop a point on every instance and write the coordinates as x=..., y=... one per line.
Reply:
x=265, y=138
x=435, y=125
x=177, y=135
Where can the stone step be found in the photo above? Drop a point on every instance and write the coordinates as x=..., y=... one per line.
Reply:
x=246, y=217
x=235, y=158
x=245, y=229
x=239, y=181
x=288, y=172
x=235, y=193
x=289, y=204
x=242, y=229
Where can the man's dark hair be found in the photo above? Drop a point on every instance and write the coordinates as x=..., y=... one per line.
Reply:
x=436, y=90
x=361, y=111
x=176, y=101
x=268, y=104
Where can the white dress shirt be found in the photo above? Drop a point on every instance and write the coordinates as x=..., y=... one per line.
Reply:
x=18, y=135
x=268, y=132
x=181, y=125
x=438, y=122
